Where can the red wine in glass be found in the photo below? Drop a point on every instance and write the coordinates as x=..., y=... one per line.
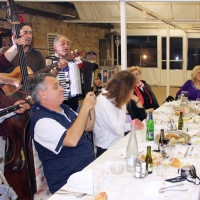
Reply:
x=165, y=141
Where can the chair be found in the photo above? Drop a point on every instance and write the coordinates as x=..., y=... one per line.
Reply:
x=169, y=98
x=37, y=181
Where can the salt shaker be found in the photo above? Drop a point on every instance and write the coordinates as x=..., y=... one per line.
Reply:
x=143, y=169
x=138, y=170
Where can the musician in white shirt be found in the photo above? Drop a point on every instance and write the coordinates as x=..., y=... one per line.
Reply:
x=62, y=50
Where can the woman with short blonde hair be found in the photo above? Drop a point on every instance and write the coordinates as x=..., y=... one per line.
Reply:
x=143, y=90
x=192, y=86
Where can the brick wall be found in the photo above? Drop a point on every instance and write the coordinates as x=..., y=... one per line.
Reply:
x=84, y=38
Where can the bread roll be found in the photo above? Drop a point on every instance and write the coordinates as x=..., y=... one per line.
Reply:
x=177, y=113
x=176, y=163
x=102, y=196
x=155, y=157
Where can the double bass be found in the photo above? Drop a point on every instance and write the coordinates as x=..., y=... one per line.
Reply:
x=16, y=166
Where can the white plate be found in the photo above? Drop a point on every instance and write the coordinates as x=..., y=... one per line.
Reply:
x=195, y=140
x=82, y=179
x=150, y=190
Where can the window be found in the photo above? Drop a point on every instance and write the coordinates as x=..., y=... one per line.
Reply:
x=141, y=51
x=193, y=53
x=176, y=53
x=50, y=43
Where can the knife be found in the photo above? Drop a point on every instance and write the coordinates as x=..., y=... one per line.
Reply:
x=191, y=151
x=185, y=155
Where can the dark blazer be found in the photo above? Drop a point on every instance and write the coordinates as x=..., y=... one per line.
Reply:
x=135, y=112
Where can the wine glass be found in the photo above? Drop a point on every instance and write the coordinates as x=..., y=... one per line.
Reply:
x=165, y=140
x=186, y=118
x=167, y=159
x=197, y=103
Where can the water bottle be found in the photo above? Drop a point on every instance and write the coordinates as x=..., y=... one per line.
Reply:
x=150, y=127
x=132, y=150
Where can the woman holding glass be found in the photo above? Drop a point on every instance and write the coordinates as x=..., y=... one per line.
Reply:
x=192, y=86
x=110, y=110
x=143, y=90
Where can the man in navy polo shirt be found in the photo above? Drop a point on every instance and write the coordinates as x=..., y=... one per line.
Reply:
x=58, y=131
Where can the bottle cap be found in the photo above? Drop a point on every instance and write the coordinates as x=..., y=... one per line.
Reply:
x=181, y=110
x=133, y=122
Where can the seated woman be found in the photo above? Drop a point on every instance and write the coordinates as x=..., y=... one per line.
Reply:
x=143, y=90
x=192, y=86
x=110, y=110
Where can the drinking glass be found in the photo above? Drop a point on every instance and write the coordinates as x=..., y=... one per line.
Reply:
x=186, y=118
x=98, y=182
x=167, y=159
x=198, y=102
x=184, y=93
x=165, y=141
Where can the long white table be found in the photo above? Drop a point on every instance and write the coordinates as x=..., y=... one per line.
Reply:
x=126, y=187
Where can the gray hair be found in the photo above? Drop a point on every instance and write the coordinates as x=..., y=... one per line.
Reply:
x=58, y=37
x=37, y=83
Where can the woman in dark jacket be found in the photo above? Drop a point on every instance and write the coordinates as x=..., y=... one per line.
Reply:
x=143, y=91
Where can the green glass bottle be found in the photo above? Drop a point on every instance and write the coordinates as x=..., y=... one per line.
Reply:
x=148, y=160
x=180, y=120
x=150, y=127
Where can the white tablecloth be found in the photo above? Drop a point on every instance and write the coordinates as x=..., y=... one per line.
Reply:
x=126, y=187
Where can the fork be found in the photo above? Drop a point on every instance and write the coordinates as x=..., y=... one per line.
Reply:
x=162, y=191
x=77, y=194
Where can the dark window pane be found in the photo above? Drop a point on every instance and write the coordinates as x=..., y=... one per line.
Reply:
x=141, y=51
x=193, y=53
x=176, y=50
x=172, y=65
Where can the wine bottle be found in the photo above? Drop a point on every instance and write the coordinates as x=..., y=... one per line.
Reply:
x=160, y=142
x=180, y=120
x=148, y=160
x=132, y=150
x=150, y=127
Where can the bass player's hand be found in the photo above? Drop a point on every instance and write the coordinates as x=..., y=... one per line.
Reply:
x=23, y=106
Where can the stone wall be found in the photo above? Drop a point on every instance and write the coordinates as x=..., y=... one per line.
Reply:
x=84, y=38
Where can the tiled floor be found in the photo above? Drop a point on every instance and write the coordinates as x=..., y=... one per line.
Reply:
x=160, y=93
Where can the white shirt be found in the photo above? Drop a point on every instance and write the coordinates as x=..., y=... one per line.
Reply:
x=109, y=125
